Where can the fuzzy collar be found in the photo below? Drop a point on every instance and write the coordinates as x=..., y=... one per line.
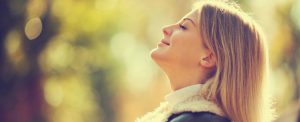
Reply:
x=195, y=103
x=182, y=94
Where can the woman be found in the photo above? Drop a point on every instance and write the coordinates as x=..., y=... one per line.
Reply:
x=216, y=60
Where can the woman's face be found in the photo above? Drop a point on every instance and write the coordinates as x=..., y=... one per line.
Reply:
x=182, y=44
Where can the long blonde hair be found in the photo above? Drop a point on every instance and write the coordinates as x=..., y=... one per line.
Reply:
x=239, y=46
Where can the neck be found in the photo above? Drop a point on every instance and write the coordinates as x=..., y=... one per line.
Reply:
x=183, y=78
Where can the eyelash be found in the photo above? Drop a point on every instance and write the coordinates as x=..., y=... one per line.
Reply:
x=182, y=27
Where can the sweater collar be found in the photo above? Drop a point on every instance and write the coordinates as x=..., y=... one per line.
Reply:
x=180, y=95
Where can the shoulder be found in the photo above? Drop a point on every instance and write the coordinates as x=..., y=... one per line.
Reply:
x=197, y=117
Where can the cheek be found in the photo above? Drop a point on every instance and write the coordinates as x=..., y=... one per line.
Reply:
x=186, y=49
x=185, y=44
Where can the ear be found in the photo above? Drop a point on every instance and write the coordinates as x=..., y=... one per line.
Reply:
x=208, y=60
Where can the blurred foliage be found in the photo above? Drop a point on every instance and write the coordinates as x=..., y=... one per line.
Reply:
x=88, y=60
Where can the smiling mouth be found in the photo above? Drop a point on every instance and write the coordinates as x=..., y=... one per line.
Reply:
x=164, y=42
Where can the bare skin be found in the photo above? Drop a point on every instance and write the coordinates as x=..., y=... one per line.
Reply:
x=181, y=54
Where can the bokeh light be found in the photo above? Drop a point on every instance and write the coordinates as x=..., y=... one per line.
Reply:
x=88, y=60
x=33, y=28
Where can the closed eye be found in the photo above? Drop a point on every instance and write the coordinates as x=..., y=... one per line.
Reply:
x=182, y=27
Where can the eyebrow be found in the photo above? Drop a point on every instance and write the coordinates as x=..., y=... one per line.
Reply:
x=190, y=20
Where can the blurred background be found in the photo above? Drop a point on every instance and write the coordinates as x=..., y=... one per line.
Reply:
x=88, y=60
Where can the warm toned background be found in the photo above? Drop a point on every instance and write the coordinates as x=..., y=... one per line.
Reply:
x=88, y=60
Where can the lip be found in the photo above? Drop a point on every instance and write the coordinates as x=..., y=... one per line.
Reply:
x=164, y=42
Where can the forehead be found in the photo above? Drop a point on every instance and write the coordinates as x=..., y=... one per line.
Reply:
x=194, y=15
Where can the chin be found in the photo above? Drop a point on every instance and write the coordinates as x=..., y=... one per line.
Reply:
x=157, y=54
x=160, y=52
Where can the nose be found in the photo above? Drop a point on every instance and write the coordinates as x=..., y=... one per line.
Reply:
x=167, y=30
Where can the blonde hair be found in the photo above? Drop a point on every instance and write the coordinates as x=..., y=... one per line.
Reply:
x=239, y=46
